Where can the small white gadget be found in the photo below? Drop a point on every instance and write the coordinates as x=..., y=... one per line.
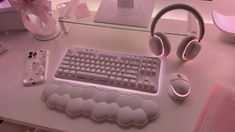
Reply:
x=35, y=67
x=179, y=86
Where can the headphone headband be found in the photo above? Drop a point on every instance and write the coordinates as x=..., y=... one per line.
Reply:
x=183, y=7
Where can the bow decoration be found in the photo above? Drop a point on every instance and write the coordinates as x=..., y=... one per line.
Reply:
x=40, y=8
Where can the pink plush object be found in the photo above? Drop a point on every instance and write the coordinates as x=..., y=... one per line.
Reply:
x=218, y=114
x=81, y=11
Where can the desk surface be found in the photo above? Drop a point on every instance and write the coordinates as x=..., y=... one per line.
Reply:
x=24, y=105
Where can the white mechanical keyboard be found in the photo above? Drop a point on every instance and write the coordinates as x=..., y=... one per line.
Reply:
x=122, y=70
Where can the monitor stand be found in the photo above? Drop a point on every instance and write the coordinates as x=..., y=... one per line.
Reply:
x=125, y=12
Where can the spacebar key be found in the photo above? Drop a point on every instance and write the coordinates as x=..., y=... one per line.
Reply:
x=92, y=75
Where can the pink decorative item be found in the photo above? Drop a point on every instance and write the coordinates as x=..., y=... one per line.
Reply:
x=81, y=11
x=37, y=18
x=218, y=113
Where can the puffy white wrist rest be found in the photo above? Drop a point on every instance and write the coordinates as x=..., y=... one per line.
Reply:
x=100, y=105
x=223, y=22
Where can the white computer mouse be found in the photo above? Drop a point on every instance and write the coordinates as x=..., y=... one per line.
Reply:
x=179, y=86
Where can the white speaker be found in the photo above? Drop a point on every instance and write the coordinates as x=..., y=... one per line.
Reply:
x=9, y=18
x=226, y=25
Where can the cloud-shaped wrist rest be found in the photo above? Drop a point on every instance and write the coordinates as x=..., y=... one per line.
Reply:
x=100, y=105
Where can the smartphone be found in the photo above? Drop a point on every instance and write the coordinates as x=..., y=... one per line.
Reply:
x=35, y=67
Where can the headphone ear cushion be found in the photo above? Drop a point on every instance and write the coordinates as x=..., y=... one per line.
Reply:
x=188, y=49
x=156, y=45
x=159, y=44
x=165, y=42
x=192, y=50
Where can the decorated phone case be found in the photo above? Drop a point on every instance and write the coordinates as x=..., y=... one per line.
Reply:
x=35, y=67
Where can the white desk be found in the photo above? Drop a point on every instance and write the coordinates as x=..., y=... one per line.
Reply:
x=23, y=105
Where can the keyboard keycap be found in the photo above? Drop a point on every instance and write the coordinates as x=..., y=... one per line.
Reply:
x=92, y=75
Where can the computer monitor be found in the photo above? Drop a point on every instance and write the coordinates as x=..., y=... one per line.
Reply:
x=125, y=12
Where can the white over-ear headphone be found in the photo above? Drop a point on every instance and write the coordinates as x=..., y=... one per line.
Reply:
x=190, y=45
